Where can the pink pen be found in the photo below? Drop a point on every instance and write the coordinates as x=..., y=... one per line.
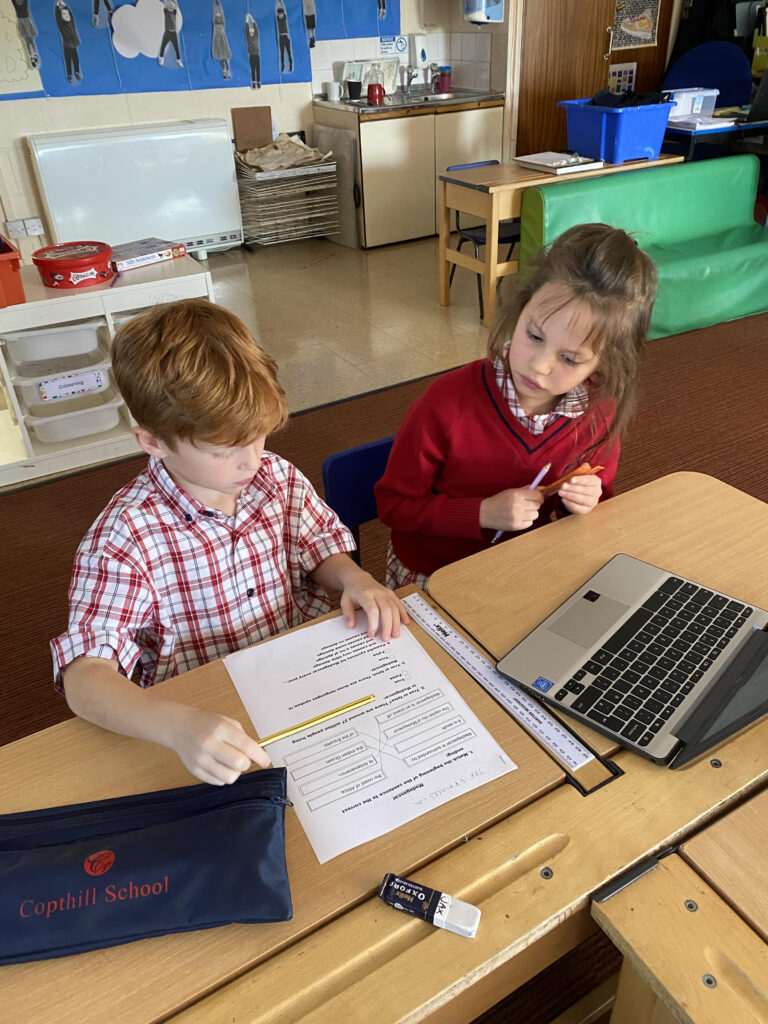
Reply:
x=534, y=483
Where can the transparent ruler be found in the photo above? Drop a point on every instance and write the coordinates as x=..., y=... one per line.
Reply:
x=569, y=750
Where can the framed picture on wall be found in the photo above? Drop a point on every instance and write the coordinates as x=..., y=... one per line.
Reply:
x=635, y=24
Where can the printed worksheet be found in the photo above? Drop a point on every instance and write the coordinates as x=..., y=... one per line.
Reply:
x=360, y=775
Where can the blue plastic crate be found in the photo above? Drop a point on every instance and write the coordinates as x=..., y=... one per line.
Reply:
x=616, y=134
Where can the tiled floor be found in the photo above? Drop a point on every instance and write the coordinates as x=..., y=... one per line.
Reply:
x=341, y=322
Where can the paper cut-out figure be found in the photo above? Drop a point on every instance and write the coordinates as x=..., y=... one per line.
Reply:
x=254, y=51
x=95, y=15
x=220, y=50
x=310, y=20
x=283, y=35
x=70, y=40
x=27, y=31
x=170, y=35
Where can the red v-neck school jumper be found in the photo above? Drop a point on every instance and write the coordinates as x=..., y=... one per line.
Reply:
x=460, y=443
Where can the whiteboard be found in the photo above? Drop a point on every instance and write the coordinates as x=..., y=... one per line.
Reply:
x=172, y=181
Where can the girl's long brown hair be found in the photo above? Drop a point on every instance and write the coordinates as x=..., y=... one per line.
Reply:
x=602, y=267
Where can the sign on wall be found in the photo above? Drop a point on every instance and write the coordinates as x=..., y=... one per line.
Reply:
x=93, y=47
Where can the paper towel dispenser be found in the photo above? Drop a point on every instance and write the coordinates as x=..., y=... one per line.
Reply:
x=481, y=12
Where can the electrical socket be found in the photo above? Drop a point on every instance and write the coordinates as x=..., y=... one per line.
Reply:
x=16, y=229
x=33, y=225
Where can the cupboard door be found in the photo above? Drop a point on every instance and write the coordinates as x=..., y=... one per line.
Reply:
x=398, y=175
x=467, y=136
x=562, y=49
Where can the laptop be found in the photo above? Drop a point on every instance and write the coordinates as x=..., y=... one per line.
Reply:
x=757, y=110
x=663, y=665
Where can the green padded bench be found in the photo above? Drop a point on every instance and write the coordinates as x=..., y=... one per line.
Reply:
x=696, y=222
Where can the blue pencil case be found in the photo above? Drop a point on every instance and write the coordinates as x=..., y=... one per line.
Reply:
x=96, y=874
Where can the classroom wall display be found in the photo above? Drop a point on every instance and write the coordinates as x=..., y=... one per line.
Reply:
x=97, y=47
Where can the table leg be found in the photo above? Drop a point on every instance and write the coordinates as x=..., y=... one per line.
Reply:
x=491, y=260
x=444, y=232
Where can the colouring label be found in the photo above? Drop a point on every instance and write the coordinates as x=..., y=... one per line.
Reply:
x=73, y=384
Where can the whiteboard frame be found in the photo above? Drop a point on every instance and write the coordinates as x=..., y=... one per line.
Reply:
x=175, y=181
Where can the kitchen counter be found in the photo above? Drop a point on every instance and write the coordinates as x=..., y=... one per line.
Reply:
x=396, y=149
x=420, y=100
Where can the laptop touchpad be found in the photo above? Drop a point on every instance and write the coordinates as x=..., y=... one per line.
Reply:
x=587, y=619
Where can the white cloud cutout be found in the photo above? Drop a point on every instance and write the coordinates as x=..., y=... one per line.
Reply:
x=138, y=28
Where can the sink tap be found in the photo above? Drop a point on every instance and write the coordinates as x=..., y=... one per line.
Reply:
x=434, y=76
x=410, y=73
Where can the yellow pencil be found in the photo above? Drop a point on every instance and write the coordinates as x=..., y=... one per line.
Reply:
x=352, y=706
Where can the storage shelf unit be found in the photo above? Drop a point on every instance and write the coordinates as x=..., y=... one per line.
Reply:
x=44, y=327
x=280, y=206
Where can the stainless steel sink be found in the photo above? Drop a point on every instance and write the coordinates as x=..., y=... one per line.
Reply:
x=398, y=100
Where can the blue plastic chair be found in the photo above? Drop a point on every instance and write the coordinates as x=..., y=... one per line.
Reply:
x=714, y=65
x=509, y=233
x=349, y=477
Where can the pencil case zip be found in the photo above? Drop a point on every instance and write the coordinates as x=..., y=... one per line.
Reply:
x=136, y=811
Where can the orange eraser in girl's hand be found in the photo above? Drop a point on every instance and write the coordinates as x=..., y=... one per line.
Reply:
x=583, y=470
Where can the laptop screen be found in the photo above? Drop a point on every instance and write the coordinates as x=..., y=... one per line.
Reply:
x=744, y=701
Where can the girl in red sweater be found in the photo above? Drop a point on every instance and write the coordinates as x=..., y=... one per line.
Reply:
x=557, y=388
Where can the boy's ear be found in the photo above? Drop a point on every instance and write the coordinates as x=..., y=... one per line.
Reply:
x=147, y=441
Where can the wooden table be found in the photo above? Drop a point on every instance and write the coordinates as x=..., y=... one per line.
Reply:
x=693, y=929
x=153, y=979
x=495, y=193
x=528, y=850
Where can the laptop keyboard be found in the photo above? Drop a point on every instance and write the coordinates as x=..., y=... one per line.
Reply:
x=650, y=666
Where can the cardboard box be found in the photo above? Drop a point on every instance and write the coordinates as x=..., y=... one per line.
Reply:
x=252, y=127
x=143, y=252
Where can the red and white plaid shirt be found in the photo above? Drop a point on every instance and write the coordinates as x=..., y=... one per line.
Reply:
x=572, y=404
x=163, y=581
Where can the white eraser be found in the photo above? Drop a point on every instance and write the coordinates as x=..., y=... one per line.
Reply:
x=431, y=905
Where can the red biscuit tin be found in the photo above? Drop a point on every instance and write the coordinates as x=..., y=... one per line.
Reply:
x=74, y=264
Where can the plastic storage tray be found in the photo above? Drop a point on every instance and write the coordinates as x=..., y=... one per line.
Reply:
x=89, y=414
x=61, y=389
x=616, y=134
x=692, y=103
x=68, y=345
x=26, y=371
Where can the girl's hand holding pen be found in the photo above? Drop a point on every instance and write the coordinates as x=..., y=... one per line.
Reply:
x=512, y=510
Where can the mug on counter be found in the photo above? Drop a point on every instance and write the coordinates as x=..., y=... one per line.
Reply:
x=376, y=93
x=332, y=91
x=354, y=89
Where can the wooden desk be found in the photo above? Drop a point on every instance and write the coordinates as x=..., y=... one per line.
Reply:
x=495, y=193
x=693, y=929
x=346, y=956
x=155, y=978
x=731, y=855
x=391, y=968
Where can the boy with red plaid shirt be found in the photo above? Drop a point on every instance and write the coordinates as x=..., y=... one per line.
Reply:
x=215, y=546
